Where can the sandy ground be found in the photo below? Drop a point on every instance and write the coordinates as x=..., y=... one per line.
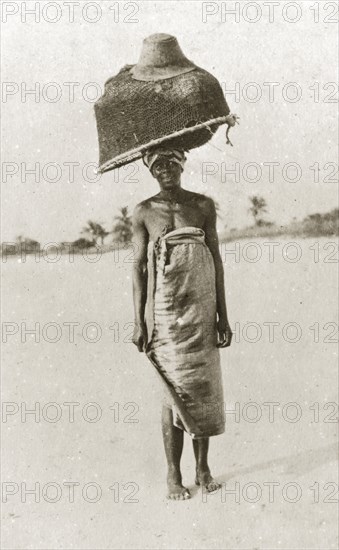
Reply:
x=118, y=462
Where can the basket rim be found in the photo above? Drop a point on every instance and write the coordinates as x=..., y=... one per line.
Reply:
x=137, y=152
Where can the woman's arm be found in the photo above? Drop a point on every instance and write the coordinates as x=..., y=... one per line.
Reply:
x=140, y=239
x=212, y=241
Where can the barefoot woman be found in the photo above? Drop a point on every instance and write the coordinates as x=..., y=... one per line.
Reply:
x=180, y=312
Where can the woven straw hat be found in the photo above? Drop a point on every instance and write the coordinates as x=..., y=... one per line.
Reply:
x=164, y=100
x=161, y=57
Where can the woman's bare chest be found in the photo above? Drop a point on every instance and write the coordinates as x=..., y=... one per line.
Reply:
x=172, y=215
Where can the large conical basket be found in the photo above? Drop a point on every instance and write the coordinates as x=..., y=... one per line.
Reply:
x=133, y=115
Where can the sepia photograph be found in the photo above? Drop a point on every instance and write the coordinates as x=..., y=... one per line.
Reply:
x=169, y=275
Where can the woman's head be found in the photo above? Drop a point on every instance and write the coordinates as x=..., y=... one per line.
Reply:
x=165, y=166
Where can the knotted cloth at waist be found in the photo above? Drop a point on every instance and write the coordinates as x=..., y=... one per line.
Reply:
x=157, y=260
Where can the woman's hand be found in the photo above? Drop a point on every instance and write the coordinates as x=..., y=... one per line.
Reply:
x=224, y=333
x=140, y=336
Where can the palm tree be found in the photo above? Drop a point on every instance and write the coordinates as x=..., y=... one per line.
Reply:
x=95, y=231
x=101, y=232
x=122, y=228
x=89, y=231
x=258, y=208
x=26, y=244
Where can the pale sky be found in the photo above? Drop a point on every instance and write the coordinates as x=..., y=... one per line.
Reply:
x=36, y=129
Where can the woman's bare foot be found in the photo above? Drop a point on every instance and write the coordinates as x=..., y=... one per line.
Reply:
x=205, y=479
x=176, y=490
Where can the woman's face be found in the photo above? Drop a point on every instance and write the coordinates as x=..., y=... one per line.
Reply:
x=167, y=173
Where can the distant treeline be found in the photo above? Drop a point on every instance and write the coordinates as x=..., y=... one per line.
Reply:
x=314, y=225
x=92, y=238
x=94, y=234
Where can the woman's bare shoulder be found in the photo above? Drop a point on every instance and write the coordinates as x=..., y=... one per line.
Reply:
x=143, y=207
x=200, y=199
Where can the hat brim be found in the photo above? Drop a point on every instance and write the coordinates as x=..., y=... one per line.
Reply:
x=210, y=126
x=148, y=73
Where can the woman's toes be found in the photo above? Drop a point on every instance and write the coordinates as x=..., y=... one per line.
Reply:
x=180, y=493
x=212, y=486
